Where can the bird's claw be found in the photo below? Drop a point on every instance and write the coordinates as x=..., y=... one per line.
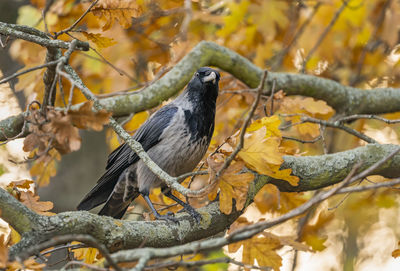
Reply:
x=167, y=218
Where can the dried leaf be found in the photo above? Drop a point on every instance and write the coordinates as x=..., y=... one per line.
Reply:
x=270, y=123
x=232, y=185
x=99, y=40
x=264, y=156
x=116, y=10
x=85, y=118
x=310, y=233
x=270, y=199
x=86, y=254
x=3, y=252
x=263, y=249
x=45, y=168
x=32, y=202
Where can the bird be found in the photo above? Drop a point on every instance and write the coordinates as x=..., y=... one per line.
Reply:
x=176, y=137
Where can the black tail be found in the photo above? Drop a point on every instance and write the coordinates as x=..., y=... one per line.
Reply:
x=116, y=206
x=100, y=193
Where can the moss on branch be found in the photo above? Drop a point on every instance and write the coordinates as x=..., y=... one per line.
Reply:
x=344, y=99
x=315, y=172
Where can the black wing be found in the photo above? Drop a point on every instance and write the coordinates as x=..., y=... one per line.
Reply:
x=122, y=157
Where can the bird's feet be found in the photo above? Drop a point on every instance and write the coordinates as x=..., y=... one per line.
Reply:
x=168, y=217
x=189, y=209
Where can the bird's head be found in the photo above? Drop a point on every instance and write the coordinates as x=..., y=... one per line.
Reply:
x=205, y=81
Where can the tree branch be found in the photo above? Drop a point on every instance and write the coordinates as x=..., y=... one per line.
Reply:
x=344, y=99
x=315, y=172
x=36, y=36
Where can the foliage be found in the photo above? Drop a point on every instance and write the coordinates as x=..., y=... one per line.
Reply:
x=136, y=42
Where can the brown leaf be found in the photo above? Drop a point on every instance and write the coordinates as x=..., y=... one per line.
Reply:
x=67, y=136
x=99, y=40
x=32, y=202
x=85, y=118
x=232, y=185
x=3, y=252
x=116, y=10
x=45, y=167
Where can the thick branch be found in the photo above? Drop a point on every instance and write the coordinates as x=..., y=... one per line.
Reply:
x=323, y=170
x=315, y=172
x=16, y=214
x=343, y=99
x=36, y=36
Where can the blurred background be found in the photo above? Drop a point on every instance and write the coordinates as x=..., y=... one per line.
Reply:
x=353, y=42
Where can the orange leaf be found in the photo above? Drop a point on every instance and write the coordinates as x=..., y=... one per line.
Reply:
x=116, y=10
x=32, y=202
x=85, y=117
x=99, y=40
x=232, y=185
x=264, y=156
x=3, y=252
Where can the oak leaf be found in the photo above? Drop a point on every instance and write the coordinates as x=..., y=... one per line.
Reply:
x=3, y=252
x=116, y=10
x=45, y=168
x=262, y=247
x=86, y=254
x=271, y=124
x=32, y=202
x=264, y=156
x=270, y=199
x=85, y=118
x=396, y=252
x=99, y=40
x=232, y=185
x=310, y=233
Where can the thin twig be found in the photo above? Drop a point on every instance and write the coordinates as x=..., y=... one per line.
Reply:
x=90, y=266
x=365, y=116
x=369, y=187
x=336, y=124
x=59, y=240
x=323, y=35
x=299, y=32
x=76, y=22
x=368, y=46
x=14, y=75
x=271, y=97
x=302, y=140
x=246, y=123
x=192, y=264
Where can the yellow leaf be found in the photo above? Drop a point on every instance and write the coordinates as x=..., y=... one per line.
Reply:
x=235, y=18
x=257, y=149
x=116, y=10
x=87, y=254
x=315, y=107
x=137, y=120
x=99, y=40
x=316, y=242
x=15, y=236
x=45, y=168
x=3, y=252
x=264, y=156
x=263, y=249
x=270, y=199
x=396, y=252
x=310, y=232
x=271, y=124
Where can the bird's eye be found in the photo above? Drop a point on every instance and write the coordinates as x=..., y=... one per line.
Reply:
x=197, y=74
